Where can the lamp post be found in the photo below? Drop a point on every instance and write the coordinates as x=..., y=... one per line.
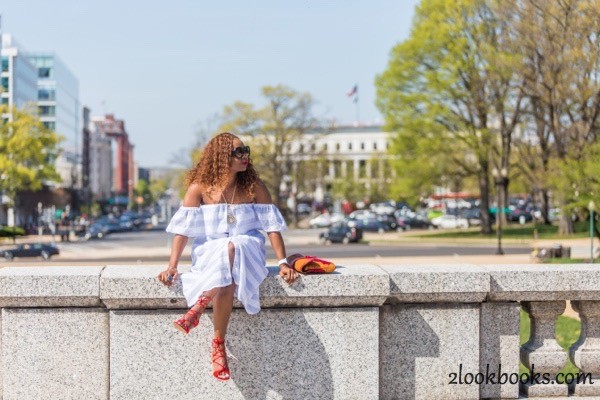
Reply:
x=592, y=207
x=499, y=179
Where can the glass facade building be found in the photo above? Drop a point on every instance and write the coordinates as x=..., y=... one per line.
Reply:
x=57, y=95
x=18, y=76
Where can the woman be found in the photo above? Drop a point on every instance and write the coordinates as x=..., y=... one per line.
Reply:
x=225, y=207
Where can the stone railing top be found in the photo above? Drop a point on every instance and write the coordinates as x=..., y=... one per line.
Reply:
x=358, y=285
x=438, y=283
x=351, y=285
x=50, y=286
x=544, y=282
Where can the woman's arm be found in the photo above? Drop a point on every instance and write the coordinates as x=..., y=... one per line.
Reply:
x=288, y=274
x=169, y=275
x=193, y=198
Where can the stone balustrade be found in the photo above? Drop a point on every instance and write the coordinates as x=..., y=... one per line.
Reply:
x=364, y=332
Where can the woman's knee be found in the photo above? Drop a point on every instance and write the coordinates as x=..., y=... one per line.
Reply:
x=225, y=291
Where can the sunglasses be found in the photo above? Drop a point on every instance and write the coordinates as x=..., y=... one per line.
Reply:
x=241, y=151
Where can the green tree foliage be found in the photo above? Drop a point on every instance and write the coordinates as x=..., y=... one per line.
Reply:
x=450, y=95
x=142, y=190
x=559, y=42
x=27, y=152
x=270, y=130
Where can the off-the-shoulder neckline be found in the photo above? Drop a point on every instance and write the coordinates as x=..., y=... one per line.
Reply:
x=224, y=204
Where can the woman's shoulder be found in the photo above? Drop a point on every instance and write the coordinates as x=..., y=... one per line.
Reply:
x=261, y=193
x=193, y=195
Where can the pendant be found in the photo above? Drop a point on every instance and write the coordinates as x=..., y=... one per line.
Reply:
x=230, y=218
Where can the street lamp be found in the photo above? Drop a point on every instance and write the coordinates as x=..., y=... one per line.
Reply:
x=592, y=207
x=500, y=180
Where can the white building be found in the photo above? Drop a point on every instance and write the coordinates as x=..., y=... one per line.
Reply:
x=346, y=152
x=18, y=76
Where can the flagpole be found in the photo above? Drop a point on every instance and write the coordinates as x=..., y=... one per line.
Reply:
x=357, y=109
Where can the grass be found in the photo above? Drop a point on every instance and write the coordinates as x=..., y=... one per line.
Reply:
x=513, y=231
x=567, y=332
x=567, y=261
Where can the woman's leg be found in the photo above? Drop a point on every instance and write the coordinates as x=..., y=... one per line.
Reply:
x=223, y=302
x=222, y=306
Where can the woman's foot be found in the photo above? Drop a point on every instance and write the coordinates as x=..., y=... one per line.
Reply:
x=191, y=319
x=219, y=360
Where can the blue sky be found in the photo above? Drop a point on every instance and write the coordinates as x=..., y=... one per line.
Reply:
x=167, y=68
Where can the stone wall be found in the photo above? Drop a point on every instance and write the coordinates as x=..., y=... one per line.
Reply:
x=365, y=332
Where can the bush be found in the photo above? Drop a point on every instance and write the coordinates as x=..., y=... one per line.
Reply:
x=7, y=231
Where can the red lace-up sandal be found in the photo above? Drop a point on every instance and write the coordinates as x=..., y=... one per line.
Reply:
x=219, y=360
x=191, y=319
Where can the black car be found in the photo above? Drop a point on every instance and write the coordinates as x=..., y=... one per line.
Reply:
x=43, y=250
x=368, y=224
x=341, y=232
x=415, y=221
x=388, y=221
x=520, y=215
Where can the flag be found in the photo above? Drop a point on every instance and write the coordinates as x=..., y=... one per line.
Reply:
x=352, y=91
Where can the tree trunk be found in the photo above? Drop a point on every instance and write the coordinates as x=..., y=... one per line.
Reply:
x=484, y=190
x=565, y=226
x=545, y=207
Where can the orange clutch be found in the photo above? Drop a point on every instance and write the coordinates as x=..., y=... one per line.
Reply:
x=310, y=264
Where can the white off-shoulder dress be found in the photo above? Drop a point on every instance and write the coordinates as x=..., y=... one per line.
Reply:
x=212, y=232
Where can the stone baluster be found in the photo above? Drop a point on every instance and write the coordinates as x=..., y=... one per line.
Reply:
x=585, y=353
x=542, y=354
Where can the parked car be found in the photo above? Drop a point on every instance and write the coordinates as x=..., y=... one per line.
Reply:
x=325, y=220
x=520, y=215
x=414, y=221
x=303, y=209
x=97, y=231
x=341, y=232
x=369, y=224
x=44, y=250
x=448, y=221
x=389, y=222
x=361, y=214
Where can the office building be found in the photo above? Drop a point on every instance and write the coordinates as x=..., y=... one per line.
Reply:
x=18, y=76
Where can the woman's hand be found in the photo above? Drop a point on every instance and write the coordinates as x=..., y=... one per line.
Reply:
x=288, y=273
x=168, y=276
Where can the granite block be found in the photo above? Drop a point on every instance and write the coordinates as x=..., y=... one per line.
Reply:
x=275, y=354
x=544, y=282
x=59, y=353
x=437, y=283
x=499, y=347
x=422, y=344
x=123, y=287
x=50, y=286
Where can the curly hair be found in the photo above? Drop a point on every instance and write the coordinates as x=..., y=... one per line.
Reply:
x=213, y=167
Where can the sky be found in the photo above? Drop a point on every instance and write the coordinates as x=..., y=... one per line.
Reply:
x=168, y=69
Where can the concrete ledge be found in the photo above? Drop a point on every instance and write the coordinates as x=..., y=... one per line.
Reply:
x=544, y=282
x=50, y=286
x=437, y=283
x=125, y=287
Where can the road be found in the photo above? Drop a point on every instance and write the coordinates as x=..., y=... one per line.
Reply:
x=154, y=247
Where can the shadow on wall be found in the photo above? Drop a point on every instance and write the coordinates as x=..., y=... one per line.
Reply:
x=149, y=359
x=405, y=336
x=297, y=367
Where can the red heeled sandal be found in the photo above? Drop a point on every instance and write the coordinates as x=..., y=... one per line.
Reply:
x=191, y=319
x=219, y=360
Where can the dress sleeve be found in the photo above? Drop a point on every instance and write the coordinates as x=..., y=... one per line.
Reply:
x=270, y=218
x=187, y=221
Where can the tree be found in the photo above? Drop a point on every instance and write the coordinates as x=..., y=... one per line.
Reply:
x=27, y=152
x=560, y=44
x=450, y=93
x=271, y=130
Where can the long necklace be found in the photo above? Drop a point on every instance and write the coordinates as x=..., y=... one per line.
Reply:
x=230, y=216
